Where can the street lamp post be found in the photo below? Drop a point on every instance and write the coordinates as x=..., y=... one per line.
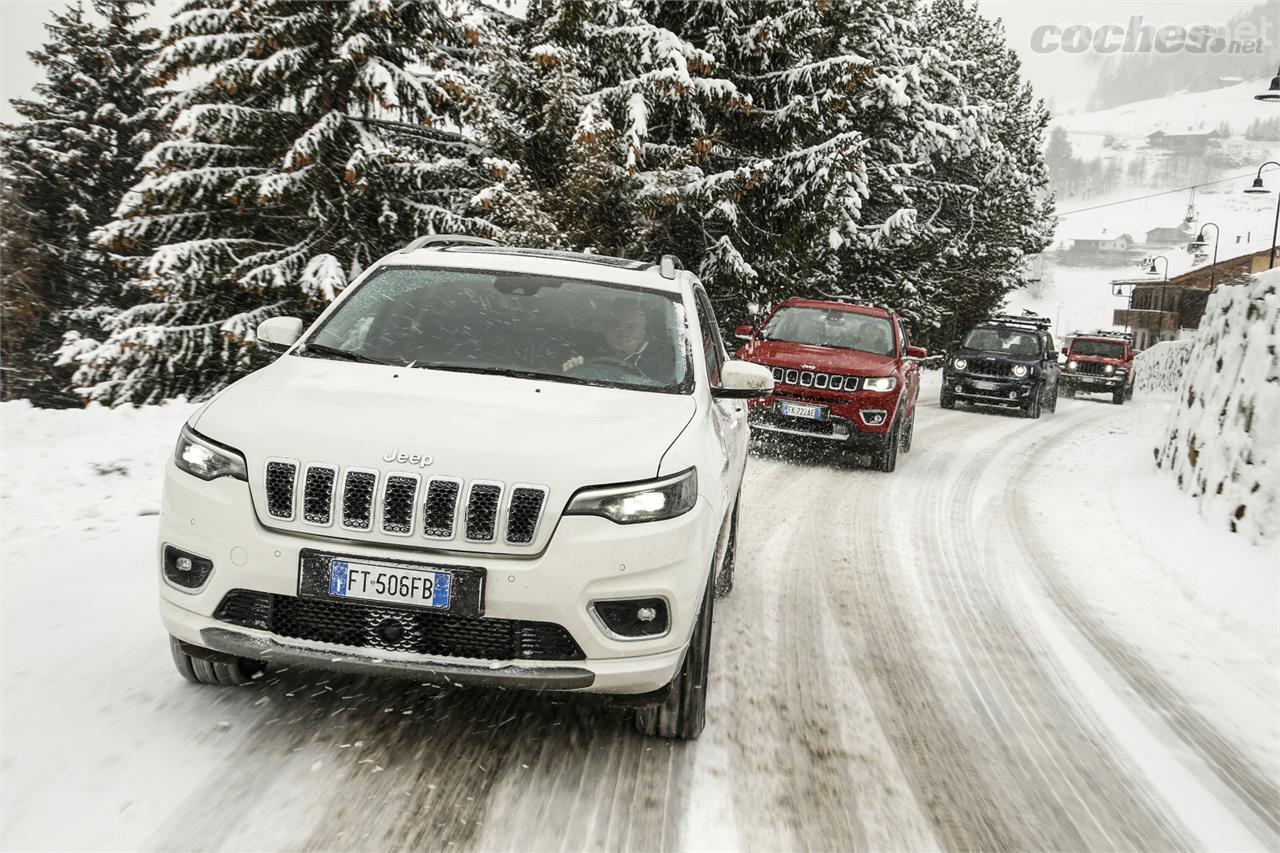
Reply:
x=1200, y=242
x=1163, y=287
x=1259, y=189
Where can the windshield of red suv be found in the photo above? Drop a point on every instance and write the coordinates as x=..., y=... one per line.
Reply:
x=1106, y=349
x=823, y=327
x=1004, y=341
x=567, y=330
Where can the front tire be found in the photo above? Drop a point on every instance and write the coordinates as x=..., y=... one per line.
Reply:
x=1117, y=397
x=1033, y=408
x=224, y=673
x=683, y=714
x=886, y=458
x=908, y=433
x=946, y=401
x=724, y=581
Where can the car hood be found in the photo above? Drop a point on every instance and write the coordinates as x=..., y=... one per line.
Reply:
x=472, y=427
x=1114, y=361
x=823, y=359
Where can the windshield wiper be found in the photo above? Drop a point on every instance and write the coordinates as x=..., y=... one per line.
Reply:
x=344, y=354
x=494, y=371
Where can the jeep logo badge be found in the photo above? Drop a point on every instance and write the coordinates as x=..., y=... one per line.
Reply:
x=422, y=460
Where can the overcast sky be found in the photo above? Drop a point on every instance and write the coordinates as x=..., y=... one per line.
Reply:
x=1064, y=78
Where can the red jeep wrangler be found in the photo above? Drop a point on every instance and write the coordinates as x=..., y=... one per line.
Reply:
x=1101, y=362
x=843, y=373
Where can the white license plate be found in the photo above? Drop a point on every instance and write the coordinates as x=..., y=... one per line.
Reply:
x=389, y=584
x=985, y=386
x=798, y=410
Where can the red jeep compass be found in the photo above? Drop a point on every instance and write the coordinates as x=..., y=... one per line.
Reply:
x=843, y=373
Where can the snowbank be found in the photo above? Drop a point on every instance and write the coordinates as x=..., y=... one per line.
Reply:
x=1222, y=441
x=1159, y=368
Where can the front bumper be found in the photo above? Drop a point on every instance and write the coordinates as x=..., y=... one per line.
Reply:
x=588, y=559
x=1091, y=381
x=847, y=422
x=991, y=391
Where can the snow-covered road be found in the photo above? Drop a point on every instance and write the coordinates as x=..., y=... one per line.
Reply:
x=1022, y=639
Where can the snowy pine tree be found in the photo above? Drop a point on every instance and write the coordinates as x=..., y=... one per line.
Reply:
x=307, y=140
x=605, y=118
x=66, y=164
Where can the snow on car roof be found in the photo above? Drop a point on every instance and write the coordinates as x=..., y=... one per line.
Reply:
x=604, y=268
x=853, y=307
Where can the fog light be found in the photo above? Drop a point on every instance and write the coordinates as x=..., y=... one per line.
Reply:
x=631, y=618
x=873, y=417
x=184, y=569
x=959, y=389
x=1013, y=395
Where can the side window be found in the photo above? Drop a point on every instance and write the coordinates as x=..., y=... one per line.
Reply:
x=1049, y=348
x=902, y=335
x=712, y=348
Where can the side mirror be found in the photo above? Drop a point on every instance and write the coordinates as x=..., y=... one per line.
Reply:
x=743, y=333
x=917, y=352
x=955, y=344
x=742, y=380
x=1064, y=350
x=279, y=333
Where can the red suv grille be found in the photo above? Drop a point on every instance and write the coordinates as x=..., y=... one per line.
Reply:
x=815, y=379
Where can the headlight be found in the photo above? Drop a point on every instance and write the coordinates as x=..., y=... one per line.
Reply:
x=654, y=500
x=1109, y=369
x=1020, y=370
x=880, y=383
x=960, y=364
x=1071, y=365
x=202, y=458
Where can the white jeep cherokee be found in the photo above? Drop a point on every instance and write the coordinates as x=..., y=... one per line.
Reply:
x=480, y=465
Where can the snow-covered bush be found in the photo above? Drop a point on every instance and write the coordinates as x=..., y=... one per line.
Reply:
x=1158, y=369
x=1222, y=442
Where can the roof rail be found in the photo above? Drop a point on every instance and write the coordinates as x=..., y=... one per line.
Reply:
x=1027, y=319
x=440, y=241
x=668, y=265
x=850, y=300
x=1105, y=333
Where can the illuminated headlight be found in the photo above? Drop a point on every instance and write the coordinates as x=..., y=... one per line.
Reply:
x=1020, y=370
x=653, y=500
x=1109, y=369
x=208, y=460
x=880, y=383
x=1071, y=365
x=960, y=364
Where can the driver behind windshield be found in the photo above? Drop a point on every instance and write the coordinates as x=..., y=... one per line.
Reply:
x=624, y=340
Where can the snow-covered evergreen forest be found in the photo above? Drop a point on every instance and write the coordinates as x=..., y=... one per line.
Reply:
x=167, y=188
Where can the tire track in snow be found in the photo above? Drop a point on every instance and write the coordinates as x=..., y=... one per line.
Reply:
x=1229, y=763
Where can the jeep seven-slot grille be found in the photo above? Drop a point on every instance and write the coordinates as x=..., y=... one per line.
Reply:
x=398, y=501
x=813, y=379
x=279, y=482
x=364, y=499
x=353, y=623
x=1092, y=368
x=440, y=507
x=523, y=514
x=317, y=494
x=357, y=499
x=482, y=511
x=989, y=367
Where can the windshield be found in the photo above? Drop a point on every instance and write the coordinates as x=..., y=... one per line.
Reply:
x=567, y=330
x=1003, y=341
x=824, y=327
x=1106, y=349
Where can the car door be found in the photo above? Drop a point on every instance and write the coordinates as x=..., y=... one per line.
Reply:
x=910, y=367
x=728, y=417
x=1050, y=362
